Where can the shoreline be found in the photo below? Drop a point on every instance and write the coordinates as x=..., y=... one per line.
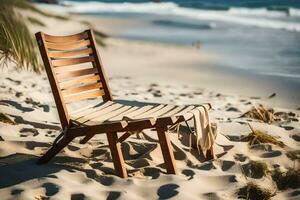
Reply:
x=218, y=77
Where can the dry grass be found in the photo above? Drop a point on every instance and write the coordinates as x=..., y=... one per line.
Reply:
x=294, y=155
x=253, y=192
x=256, y=169
x=258, y=137
x=261, y=113
x=16, y=42
x=288, y=179
x=5, y=119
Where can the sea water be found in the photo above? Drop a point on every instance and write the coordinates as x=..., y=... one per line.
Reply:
x=257, y=36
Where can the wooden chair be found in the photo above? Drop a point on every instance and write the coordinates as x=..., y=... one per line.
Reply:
x=75, y=73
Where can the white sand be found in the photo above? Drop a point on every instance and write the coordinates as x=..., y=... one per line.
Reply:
x=142, y=72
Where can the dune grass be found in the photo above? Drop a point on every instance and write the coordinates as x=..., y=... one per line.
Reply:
x=258, y=137
x=257, y=169
x=261, y=113
x=294, y=156
x=288, y=179
x=16, y=42
x=253, y=192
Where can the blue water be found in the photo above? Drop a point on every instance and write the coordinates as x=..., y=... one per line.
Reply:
x=259, y=36
x=220, y=4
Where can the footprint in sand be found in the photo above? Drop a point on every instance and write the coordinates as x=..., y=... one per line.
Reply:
x=240, y=157
x=212, y=196
x=19, y=94
x=51, y=134
x=233, y=109
x=26, y=132
x=35, y=104
x=113, y=195
x=78, y=196
x=51, y=189
x=189, y=173
x=288, y=128
x=296, y=137
x=167, y=191
x=14, y=81
x=16, y=191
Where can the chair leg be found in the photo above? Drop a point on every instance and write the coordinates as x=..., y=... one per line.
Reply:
x=86, y=138
x=116, y=154
x=166, y=149
x=55, y=149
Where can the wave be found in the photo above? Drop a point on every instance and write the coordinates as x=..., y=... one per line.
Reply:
x=259, y=17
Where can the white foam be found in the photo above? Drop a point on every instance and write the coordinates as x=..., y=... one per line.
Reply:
x=294, y=12
x=250, y=17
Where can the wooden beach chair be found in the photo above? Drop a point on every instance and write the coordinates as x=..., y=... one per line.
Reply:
x=75, y=73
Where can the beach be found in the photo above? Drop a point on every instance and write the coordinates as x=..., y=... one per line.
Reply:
x=152, y=72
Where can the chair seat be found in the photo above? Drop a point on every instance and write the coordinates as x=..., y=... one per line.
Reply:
x=112, y=112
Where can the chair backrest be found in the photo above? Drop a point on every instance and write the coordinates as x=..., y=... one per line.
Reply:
x=74, y=70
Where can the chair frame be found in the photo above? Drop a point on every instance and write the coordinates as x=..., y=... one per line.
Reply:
x=71, y=131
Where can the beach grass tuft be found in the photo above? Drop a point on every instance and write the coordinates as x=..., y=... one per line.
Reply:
x=16, y=42
x=258, y=137
x=256, y=169
x=288, y=179
x=253, y=191
x=294, y=155
x=261, y=113
x=5, y=119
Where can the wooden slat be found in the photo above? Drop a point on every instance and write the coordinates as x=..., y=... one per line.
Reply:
x=121, y=115
x=174, y=111
x=162, y=111
x=77, y=73
x=187, y=109
x=98, y=128
x=97, y=113
x=81, y=89
x=90, y=110
x=79, y=81
x=68, y=46
x=112, y=114
x=66, y=54
x=80, y=109
x=82, y=96
x=138, y=111
x=149, y=112
x=64, y=69
x=68, y=38
x=72, y=61
x=164, y=121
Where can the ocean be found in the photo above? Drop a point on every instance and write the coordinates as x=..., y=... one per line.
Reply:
x=256, y=36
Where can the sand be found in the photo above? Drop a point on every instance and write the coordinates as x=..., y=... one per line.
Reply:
x=146, y=72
